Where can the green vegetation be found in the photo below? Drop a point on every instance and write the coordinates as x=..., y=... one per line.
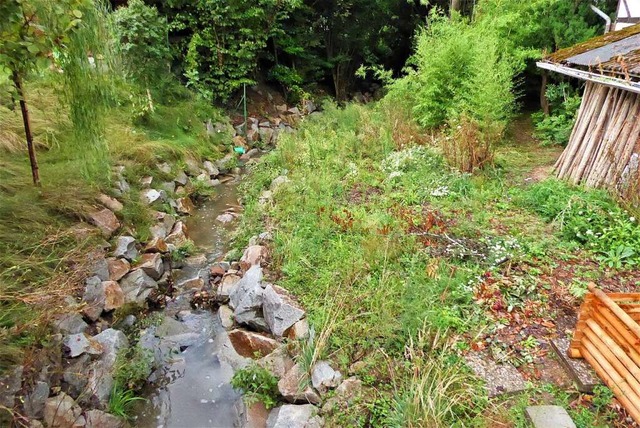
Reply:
x=257, y=384
x=556, y=127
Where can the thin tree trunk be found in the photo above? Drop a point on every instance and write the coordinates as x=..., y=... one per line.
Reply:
x=456, y=5
x=544, y=101
x=27, y=129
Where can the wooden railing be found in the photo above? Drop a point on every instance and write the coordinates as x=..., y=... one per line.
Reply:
x=608, y=337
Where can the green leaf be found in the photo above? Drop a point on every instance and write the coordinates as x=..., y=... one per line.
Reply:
x=77, y=13
x=33, y=48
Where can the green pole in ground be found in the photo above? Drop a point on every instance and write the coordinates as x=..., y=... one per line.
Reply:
x=244, y=100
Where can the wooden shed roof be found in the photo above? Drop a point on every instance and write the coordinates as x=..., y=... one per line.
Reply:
x=612, y=59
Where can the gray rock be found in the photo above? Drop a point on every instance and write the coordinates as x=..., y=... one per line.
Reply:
x=280, y=310
x=118, y=268
x=299, y=331
x=278, y=182
x=253, y=255
x=112, y=341
x=168, y=186
x=111, y=203
x=178, y=235
x=500, y=378
x=10, y=384
x=126, y=248
x=324, y=377
x=94, y=298
x=290, y=387
x=266, y=135
x=225, y=218
x=181, y=179
x=291, y=416
x=158, y=231
x=137, y=286
x=250, y=283
x=70, y=324
x=226, y=287
x=223, y=164
x=225, y=314
x=99, y=383
x=75, y=375
x=278, y=362
x=122, y=185
x=152, y=265
x=106, y=221
x=146, y=181
x=35, y=400
x=549, y=417
x=211, y=169
x=252, y=319
x=81, y=343
x=62, y=411
x=250, y=416
x=150, y=196
x=100, y=269
x=193, y=167
x=309, y=106
x=99, y=419
x=582, y=373
x=164, y=167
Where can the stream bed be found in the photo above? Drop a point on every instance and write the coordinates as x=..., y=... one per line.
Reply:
x=192, y=388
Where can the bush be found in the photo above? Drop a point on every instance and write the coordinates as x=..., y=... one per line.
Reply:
x=556, y=127
x=460, y=77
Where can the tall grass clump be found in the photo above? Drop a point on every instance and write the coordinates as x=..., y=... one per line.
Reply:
x=461, y=80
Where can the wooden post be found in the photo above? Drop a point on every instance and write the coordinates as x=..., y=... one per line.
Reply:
x=27, y=129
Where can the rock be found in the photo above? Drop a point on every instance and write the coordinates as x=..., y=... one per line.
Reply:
x=150, y=196
x=217, y=271
x=75, y=375
x=156, y=245
x=265, y=197
x=35, y=400
x=164, y=167
x=35, y=424
x=253, y=320
x=100, y=269
x=299, y=331
x=291, y=416
x=249, y=344
x=192, y=167
x=158, y=231
x=226, y=287
x=315, y=422
x=167, y=221
x=112, y=341
x=253, y=255
x=118, y=268
x=349, y=390
x=226, y=316
x=294, y=110
x=70, y=324
x=324, y=377
x=146, y=181
x=278, y=362
x=122, y=185
x=181, y=179
x=126, y=248
x=282, y=108
x=226, y=218
x=266, y=135
x=185, y=206
x=137, y=286
x=549, y=417
x=99, y=419
x=168, y=186
x=93, y=297
x=223, y=164
x=106, y=221
x=81, y=343
x=280, y=310
x=249, y=288
x=99, y=383
x=289, y=387
x=278, y=182
x=582, y=373
x=114, y=296
x=152, y=265
x=251, y=415
x=112, y=203
x=62, y=411
x=211, y=169
x=308, y=106
x=178, y=235
x=196, y=283
x=10, y=384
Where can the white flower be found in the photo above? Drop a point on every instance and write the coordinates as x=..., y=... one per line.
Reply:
x=395, y=174
x=632, y=219
x=440, y=191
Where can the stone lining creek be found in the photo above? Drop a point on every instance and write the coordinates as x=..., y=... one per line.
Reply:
x=192, y=388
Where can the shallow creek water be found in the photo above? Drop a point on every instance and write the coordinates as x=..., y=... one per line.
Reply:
x=193, y=387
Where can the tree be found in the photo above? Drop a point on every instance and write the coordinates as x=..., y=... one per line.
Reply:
x=29, y=31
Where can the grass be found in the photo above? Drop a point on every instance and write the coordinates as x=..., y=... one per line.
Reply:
x=43, y=257
x=383, y=243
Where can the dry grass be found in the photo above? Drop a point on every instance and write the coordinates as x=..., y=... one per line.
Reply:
x=469, y=147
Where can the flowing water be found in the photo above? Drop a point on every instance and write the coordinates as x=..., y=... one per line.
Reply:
x=193, y=387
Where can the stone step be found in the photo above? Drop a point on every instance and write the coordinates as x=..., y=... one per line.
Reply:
x=549, y=417
x=581, y=372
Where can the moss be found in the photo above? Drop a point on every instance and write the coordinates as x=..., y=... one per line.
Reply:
x=594, y=43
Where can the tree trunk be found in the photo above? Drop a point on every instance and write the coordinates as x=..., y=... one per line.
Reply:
x=544, y=102
x=455, y=5
x=27, y=129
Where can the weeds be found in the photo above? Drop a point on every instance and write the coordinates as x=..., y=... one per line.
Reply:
x=121, y=402
x=257, y=384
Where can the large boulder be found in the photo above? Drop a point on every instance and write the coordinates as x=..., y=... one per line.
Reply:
x=251, y=345
x=253, y=255
x=324, y=377
x=99, y=419
x=280, y=310
x=290, y=387
x=106, y=221
x=118, y=268
x=152, y=265
x=62, y=411
x=126, y=248
x=137, y=286
x=246, y=300
x=292, y=416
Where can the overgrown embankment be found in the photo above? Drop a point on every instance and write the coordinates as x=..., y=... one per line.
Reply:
x=409, y=268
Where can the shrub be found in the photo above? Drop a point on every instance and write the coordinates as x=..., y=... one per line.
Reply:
x=257, y=384
x=556, y=127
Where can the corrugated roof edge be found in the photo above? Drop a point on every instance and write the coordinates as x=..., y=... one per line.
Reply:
x=594, y=43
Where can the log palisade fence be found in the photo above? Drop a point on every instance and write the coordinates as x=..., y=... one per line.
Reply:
x=605, y=142
x=608, y=337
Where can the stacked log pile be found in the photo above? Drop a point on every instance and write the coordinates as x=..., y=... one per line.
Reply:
x=604, y=147
x=608, y=337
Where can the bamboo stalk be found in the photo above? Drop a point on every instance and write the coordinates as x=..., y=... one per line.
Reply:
x=630, y=342
x=622, y=315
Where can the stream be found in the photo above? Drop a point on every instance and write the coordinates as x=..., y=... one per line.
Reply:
x=192, y=388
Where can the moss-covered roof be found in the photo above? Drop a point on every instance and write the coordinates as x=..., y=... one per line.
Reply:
x=597, y=42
